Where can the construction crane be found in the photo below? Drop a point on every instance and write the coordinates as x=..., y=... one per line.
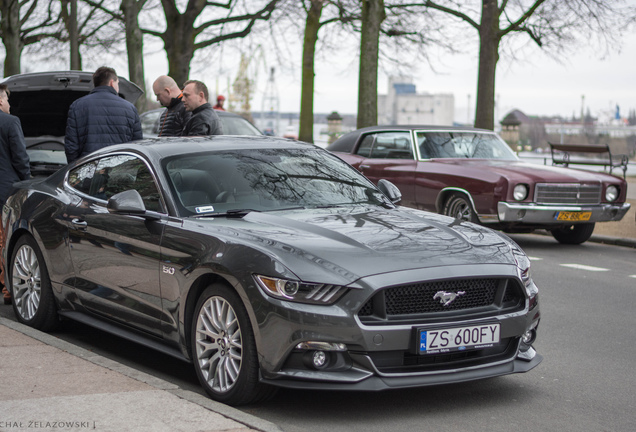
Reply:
x=270, y=109
x=244, y=86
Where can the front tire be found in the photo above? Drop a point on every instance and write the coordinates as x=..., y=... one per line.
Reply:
x=33, y=300
x=459, y=207
x=573, y=234
x=224, y=350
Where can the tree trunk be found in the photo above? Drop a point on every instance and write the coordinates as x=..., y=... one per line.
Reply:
x=73, y=34
x=135, y=47
x=488, y=57
x=178, y=39
x=372, y=16
x=312, y=25
x=10, y=28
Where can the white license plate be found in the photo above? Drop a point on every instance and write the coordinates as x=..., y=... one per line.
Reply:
x=458, y=338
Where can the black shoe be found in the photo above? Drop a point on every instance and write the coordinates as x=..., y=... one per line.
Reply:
x=7, y=300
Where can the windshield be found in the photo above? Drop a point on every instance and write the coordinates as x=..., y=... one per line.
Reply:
x=464, y=145
x=265, y=180
x=237, y=126
x=55, y=157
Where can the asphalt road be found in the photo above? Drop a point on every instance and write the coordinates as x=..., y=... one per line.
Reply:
x=585, y=383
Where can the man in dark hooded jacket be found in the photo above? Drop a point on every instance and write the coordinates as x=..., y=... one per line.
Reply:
x=174, y=118
x=101, y=118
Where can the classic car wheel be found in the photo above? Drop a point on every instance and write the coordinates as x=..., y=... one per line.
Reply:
x=33, y=301
x=223, y=348
x=573, y=234
x=458, y=206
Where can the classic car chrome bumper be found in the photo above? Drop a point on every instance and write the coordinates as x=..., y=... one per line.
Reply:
x=547, y=214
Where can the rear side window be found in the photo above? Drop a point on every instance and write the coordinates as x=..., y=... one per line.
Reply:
x=386, y=145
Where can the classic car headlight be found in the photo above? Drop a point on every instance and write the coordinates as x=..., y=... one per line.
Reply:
x=611, y=193
x=520, y=192
x=302, y=292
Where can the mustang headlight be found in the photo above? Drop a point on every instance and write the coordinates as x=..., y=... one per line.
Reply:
x=286, y=289
x=523, y=266
x=611, y=193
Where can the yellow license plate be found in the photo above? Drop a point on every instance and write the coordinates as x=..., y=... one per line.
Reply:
x=573, y=216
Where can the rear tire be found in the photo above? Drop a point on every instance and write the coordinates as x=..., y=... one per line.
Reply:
x=31, y=292
x=458, y=206
x=224, y=350
x=573, y=234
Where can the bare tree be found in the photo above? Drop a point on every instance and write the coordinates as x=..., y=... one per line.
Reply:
x=25, y=23
x=85, y=24
x=185, y=34
x=373, y=14
x=313, y=25
x=128, y=14
x=550, y=24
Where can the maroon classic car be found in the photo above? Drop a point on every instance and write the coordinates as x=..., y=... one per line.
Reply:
x=473, y=175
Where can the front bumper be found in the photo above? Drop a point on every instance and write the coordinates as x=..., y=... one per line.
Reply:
x=381, y=356
x=363, y=380
x=546, y=214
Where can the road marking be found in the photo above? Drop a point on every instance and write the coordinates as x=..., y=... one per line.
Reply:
x=584, y=267
x=633, y=276
x=534, y=258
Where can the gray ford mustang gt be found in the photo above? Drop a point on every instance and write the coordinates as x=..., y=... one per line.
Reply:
x=268, y=263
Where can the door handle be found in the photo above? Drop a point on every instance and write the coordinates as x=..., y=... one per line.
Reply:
x=363, y=167
x=79, y=224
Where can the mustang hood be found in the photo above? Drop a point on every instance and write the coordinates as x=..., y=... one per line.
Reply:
x=364, y=241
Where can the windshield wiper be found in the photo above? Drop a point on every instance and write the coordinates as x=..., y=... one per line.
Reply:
x=228, y=213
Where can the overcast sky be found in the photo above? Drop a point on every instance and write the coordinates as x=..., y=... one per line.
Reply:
x=536, y=84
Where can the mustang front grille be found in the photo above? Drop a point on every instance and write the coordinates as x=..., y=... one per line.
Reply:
x=567, y=193
x=431, y=301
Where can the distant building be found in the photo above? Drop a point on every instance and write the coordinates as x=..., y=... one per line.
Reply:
x=403, y=105
x=532, y=133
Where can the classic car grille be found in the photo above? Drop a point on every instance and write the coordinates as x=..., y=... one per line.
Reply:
x=567, y=193
x=421, y=302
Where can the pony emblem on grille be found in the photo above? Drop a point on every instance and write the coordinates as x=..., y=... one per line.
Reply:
x=446, y=298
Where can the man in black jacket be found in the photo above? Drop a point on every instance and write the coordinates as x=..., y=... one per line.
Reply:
x=174, y=118
x=14, y=161
x=204, y=120
x=101, y=118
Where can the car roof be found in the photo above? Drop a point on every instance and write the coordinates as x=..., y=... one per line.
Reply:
x=347, y=141
x=220, y=113
x=159, y=148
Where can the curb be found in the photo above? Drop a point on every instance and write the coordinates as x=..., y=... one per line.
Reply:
x=617, y=241
x=238, y=416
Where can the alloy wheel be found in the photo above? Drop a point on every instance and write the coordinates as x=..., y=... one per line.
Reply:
x=219, y=349
x=26, y=282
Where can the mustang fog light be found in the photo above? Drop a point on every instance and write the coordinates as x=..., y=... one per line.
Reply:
x=520, y=192
x=319, y=359
x=611, y=193
x=529, y=337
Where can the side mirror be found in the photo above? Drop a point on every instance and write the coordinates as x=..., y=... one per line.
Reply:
x=390, y=190
x=126, y=202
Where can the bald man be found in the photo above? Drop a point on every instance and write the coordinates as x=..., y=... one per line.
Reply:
x=173, y=119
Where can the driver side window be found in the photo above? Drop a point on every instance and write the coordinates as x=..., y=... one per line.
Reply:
x=113, y=174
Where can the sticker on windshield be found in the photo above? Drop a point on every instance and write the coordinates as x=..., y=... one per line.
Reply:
x=204, y=209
